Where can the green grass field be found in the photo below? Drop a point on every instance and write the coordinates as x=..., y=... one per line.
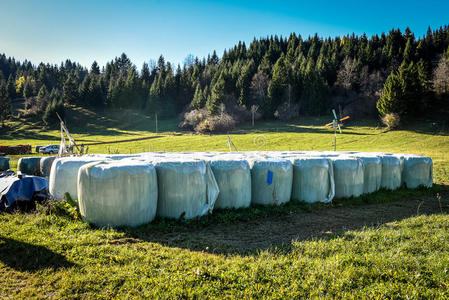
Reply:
x=385, y=245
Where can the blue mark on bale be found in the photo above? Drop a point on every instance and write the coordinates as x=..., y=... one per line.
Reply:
x=269, y=177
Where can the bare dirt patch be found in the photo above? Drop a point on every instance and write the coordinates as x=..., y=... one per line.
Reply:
x=245, y=237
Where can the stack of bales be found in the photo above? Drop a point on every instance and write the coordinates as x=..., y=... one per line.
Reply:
x=115, y=190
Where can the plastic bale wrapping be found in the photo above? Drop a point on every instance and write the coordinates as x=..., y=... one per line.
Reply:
x=391, y=172
x=372, y=171
x=4, y=163
x=234, y=181
x=64, y=175
x=117, y=193
x=348, y=176
x=271, y=180
x=29, y=165
x=45, y=165
x=313, y=180
x=418, y=171
x=186, y=187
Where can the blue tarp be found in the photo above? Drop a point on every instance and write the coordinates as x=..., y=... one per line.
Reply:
x=13, y=189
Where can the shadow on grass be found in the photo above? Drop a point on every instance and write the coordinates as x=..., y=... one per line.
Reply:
x=23, y=256
x=247, y=231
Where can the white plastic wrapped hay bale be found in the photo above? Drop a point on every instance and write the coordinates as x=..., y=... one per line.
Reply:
x=313, y=180
x=271, y=180
x=117, y=193
x=348, y=176
x=418, y=171
x=29, y=165
x=64, y=175
x=233, y=177
x=186, y=187
x=391, y=172
x=45, y=165
x=4, y=163
x=372, y=172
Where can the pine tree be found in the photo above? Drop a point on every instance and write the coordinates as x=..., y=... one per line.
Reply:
x=70, y=93
x=392, y=99
x=28, y=89
x=409, y=51
x=217, y=96
x=10, y=88
x=5, y=104
x=42, y=98
x=55, y=105
x=95, y=69
x=198, y=99
x=277, y=89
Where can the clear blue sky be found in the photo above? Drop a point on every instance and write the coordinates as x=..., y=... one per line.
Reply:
x=88, y=30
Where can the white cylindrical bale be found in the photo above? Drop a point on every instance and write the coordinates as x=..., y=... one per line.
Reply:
x=183, y=188
x=391, y=172
x=64, y=175
x=372, y=171
x=348, y=177
x=117, y=193
x=29, y=165
x=45, y=165
x=418, y=171
x=271, y=180
x=233, y=177
x=313, y=180
x=4, y=163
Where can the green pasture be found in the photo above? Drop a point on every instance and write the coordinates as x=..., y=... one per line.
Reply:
x=385, y=245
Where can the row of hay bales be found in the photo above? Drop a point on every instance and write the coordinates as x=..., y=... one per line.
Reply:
x=115, y=190
x=35, y=165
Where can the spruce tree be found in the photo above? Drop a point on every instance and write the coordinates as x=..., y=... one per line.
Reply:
x=95, y=69
x=70, y=93
x=392, y=98
x=42, y=98
x=197, y=101
x=5, y=104
x=217, y=96
x=277, y=89
x=10, y=88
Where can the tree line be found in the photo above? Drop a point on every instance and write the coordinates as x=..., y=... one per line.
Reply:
x=281, y=77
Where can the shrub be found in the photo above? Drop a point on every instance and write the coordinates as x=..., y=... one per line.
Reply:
x=391, y=120
x=193, y=118
x=222, y=123
x=200, y=120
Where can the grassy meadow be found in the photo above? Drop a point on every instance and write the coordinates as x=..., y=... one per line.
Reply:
x=384, y=245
